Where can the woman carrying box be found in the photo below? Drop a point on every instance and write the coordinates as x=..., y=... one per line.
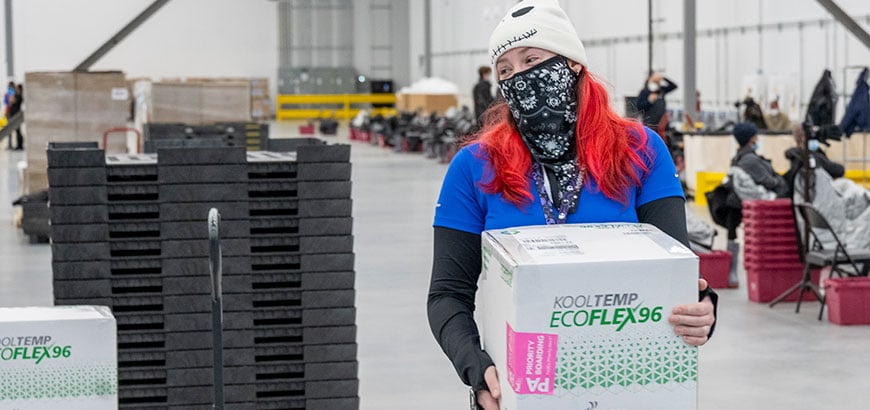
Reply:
x=553, y=152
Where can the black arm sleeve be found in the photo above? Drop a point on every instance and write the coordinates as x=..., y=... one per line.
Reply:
x=668, y=87
x=669, y=215
x=642, y=103
x=834, y=169
x=455, y=269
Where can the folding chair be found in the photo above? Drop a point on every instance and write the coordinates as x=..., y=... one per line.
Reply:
x=815, y=256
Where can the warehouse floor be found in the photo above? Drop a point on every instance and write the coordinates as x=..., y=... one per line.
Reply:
x=760, y=358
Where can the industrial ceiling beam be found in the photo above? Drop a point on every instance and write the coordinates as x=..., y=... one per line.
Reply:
x=10, y=55
x=120, y=36
x=846, y=21
x=690, y=98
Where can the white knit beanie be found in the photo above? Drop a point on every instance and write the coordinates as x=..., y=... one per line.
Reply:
x=537, y=23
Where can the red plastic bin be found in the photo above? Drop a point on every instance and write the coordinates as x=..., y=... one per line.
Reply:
x=765, y=285
x=767, y=205
x=714, y=267
x=848, y=300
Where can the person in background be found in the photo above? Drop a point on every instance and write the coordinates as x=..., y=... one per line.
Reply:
x=761, y=172
x=482, y=92
x=7, y=101
x=651, y=100
x=758, y=167
x=775, y=119
x=10, y=91
x=552, y=152
x=796, y=158
x=15, y=106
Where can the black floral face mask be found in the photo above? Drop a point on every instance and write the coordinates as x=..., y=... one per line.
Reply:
x=543, y=102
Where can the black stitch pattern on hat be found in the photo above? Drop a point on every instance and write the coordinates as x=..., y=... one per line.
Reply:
x=504, y=46
x=522, y=12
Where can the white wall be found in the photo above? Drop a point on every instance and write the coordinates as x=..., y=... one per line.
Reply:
x=185, y=38
x=463, y=27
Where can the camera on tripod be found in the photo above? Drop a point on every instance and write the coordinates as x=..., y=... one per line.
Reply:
x=822, y=133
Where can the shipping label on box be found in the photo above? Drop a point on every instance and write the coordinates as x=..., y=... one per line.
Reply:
x=62, y=357
x=576, y=316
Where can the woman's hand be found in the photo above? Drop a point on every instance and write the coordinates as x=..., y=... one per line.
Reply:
x=693, y=322
x=488, y=400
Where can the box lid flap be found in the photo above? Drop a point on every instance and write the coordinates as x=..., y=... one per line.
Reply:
x=53, y=313
x=577, y=243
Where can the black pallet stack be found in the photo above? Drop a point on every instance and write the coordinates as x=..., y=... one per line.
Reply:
x=254, y=136
x=138, y=243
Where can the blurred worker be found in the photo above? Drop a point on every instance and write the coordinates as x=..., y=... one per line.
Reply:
x=796, y=157
x=15, y=105
x=758, y=167
x=482, y=92
x=10, y=91
x=651, y=100
x=775, y=119
x=7, y=98
x=762, y=173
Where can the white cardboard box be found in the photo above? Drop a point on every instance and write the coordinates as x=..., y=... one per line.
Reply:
x=576, y=317
x=62, y=357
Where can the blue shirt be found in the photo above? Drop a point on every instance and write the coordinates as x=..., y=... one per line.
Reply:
x=462, y=204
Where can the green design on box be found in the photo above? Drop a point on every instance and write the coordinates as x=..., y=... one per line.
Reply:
x=57, y=382
x=624, y=364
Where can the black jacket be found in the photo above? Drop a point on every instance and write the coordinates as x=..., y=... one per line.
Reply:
x=858, y=112
x=821, y=109
x=653, y=112
x=795, y=156
x=15, y=107
x=482, y=97
x=760, y=170
x=754, y=114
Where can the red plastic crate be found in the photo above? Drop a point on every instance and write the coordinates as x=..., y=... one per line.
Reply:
x=766, y=205
x=753, y=239
x=765, y=285
x=714, y=267
x=752, y=231
x=769, y=224
x=848, y=300
x=771, y=258
x=783, y=248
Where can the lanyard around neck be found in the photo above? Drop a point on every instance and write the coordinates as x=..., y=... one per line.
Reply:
x=545, y=194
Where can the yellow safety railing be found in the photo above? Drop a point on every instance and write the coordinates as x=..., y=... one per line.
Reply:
x=860, y=177
x=706, y=182
x=339, y=106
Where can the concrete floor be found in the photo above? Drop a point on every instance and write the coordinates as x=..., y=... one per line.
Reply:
x=760, y=358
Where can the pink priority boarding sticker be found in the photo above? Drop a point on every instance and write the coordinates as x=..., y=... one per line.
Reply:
x=531, y=361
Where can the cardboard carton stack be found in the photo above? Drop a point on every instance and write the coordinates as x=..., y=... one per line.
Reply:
x=576, y=316
x=428, y=103
x=67, y=106
x=131, y=234
x=771, y=255
x=192, y=102
x=261, y=104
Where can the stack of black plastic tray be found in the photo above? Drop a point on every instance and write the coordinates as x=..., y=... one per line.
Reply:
x=302, y=260
x=252, y=135
x=137, y=242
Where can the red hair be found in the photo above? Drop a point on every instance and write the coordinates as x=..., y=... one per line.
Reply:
x=611, y=147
